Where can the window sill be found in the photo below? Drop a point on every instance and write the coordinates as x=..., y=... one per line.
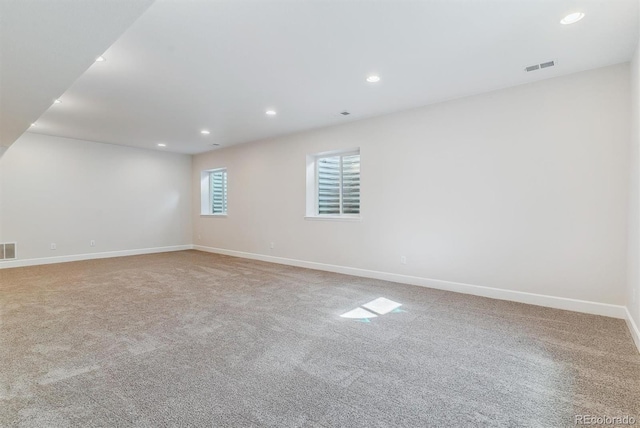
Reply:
x=213, y=215
x=333, y=218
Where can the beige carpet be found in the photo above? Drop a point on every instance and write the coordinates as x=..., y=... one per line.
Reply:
x=195, y=339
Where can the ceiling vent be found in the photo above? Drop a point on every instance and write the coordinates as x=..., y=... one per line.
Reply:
x=8, y=251
x=345, y=113
x=540, y=66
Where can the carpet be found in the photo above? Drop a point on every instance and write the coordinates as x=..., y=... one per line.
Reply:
x=196, y=339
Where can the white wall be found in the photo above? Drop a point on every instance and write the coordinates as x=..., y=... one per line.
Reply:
x=633, y=271
x=521, y=189
x=68, y=192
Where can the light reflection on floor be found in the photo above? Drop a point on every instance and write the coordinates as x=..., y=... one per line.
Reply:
x=372, y=309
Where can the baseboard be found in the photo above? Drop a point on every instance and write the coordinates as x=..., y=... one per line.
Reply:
x=633, y=328
x=595, y=308
x=91, y=256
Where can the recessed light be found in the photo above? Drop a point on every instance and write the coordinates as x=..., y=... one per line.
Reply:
x=57, y=102
x=205, y=132
x=270, y=112
x=33, y=124
x=572, y=18
x=100, y=59
x=162, y=145
x=373, y=78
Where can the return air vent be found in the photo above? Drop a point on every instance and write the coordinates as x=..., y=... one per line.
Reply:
x=8, y=251
x=540, y=66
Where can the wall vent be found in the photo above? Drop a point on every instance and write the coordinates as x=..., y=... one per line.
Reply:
x=540, y=66
x=8, y=251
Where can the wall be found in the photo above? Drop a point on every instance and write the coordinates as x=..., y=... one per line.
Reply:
x=633, y=272
x=522, y=189
x=68, y=192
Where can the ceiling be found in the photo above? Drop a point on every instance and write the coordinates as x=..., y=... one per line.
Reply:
x=45, y=46
x=185, y=66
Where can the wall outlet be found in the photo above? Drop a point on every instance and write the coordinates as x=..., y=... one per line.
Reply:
x=403, y=260
x=633, y=295
x=272, y=245
x=199, y=237
x=53, y=246
x=92, y=243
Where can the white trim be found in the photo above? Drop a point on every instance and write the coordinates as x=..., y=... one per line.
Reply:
x=213, y=215
x=344, y=217
x=595, y=308
x=633, y=328
x=91, y=256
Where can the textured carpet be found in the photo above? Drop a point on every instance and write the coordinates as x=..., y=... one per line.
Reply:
x=195, y=339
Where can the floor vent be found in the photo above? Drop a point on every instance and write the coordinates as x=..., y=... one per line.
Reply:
x=540, y=66
x=8, y=251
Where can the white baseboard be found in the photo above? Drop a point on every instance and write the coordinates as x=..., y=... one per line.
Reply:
x=91, y=256
x=595, y=308
x=633, y=328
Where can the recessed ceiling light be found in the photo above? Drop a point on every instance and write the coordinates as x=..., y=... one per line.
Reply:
x=205, y=132
x=270, y=112
x=57, y=102
x=162, y=145
x=100, y=59
x=373, y=78
x=33, y=124
x=572, y=18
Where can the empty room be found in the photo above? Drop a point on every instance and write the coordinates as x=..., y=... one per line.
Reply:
x=319, y=213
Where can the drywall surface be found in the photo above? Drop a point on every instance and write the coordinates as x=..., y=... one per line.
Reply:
x=633, y=271
x=69, y=192
x=520, y=189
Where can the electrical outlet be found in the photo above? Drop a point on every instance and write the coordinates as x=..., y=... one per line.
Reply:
x=92, y=243
x=199, y=237
x=633, y=295
x=272, y=245
x=53, y=246
x=403, y=260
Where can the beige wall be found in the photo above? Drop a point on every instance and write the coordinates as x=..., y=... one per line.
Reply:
x=520, y=189
x=633, y=272
x=68, y=192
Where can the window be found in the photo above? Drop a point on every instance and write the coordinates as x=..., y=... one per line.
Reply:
x=333, y=184
x=214, y=192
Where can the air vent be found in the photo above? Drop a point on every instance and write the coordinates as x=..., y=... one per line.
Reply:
x=8, y=251
x=540, y=66
x=345, y=113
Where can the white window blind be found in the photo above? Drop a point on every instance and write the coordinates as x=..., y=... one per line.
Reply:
x=338, y=184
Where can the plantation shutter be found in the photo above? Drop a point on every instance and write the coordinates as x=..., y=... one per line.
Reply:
x=351, y=184
x=339, y=185
x=218, y=186
x=329, y=185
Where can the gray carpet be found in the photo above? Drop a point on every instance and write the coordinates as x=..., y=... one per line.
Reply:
x=195, y=339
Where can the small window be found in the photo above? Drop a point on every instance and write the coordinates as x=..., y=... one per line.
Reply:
x=335, y=189
x=214, y=192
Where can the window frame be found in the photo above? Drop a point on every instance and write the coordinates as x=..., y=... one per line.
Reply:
x=206, y=193
x=312, y=202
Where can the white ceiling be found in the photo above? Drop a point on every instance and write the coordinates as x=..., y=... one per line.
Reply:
x=218, y=65
x=44, y=47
